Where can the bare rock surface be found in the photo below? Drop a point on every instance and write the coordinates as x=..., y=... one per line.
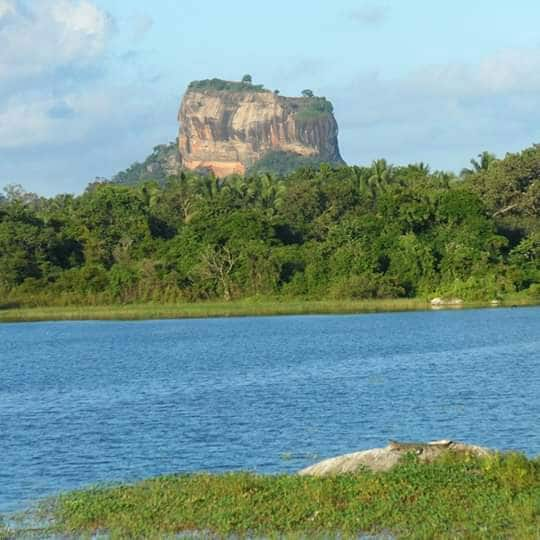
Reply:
x=456, y=302
x=383, y=459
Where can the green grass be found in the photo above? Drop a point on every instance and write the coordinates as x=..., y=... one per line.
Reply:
x=4, y=532
x=241, y=308
x=456, y=497
x=204, y=309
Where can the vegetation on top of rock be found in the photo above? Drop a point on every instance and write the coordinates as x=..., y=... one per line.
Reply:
x=245, y=85
x=313, y=107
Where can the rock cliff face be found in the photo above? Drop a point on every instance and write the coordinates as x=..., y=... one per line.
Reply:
x=230, y=126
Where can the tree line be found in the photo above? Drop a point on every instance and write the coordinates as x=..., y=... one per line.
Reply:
x=320, y=232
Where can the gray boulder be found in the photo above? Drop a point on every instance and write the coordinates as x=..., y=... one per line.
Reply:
x=383, y=459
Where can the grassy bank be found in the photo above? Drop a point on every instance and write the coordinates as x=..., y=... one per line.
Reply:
x=15, y=313
x=495, y=497
x=205, y=309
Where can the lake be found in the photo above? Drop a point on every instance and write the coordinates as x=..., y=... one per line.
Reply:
x=89, y=402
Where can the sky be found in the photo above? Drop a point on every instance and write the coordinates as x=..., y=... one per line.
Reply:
x=87, y=87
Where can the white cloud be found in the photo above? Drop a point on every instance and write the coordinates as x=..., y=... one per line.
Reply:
x=35, y=119
x=443, y=113
x=84, y=28
x=62, y=144
x=6, y=8
x=46, y=49
x=43, y=36
x=62, y=117
x=511, y=70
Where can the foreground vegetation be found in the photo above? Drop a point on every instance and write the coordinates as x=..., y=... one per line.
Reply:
x=456, y=497
x=333, y=234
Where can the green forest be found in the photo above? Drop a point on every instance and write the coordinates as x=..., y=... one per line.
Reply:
x=324, y=232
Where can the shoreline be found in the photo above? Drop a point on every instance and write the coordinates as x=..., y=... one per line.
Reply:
x=240, y=308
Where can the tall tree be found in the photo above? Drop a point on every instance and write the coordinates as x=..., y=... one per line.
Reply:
x=483, y=163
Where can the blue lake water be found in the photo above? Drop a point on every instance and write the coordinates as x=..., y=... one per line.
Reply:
x=90, y=402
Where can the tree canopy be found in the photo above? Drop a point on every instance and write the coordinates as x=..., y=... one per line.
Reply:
x=320, y=231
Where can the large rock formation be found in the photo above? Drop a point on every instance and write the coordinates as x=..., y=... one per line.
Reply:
x=227, y=127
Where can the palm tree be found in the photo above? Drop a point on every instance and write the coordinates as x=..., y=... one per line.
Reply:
x=150, y=193
x=360, y=180
x=484, y=162
x=421, y=168
x=237, y=188
x=382, y=175
x=210, y=186
x=445, y=178
x=270, y=192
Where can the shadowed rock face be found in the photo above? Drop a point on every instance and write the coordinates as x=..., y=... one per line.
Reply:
x=227, y=131
x=383, y=459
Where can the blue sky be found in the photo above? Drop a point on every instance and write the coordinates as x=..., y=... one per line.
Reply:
x=89, y=86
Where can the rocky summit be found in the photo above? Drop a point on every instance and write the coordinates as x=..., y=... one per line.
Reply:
x=228, y=127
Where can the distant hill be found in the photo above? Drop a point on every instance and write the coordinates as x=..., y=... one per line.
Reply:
x=164, y=161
